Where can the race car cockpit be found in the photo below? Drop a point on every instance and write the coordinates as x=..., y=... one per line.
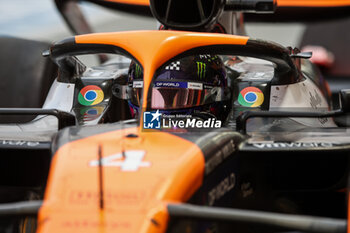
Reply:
x=195, y=85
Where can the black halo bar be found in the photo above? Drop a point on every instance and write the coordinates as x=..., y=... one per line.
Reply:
x=64, y=118
x=286, y=221
x=241, y=121
x=20, y=208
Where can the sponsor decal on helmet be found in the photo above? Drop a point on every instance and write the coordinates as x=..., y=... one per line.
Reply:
x=138, y=71
x=201, y=68
x=90, y=95
x=137, y=84
x=171, y=84
x=204, y=56
x=251, y=97
x=174, y=84
x=174, y=66
x=195, y=86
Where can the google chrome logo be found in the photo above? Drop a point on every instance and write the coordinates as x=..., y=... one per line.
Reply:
x=90, y=95
x=251, y=97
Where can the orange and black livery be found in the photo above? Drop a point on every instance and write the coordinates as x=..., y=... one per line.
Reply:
x=119, y=177
x=276, y=162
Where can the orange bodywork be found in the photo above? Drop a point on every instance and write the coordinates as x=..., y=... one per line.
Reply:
x=131, y=2
x=283, y=3
x=135, y=201
x=313, y=3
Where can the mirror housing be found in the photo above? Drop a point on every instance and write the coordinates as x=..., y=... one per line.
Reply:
x=201, y=15
x=344, y=100
x=187, y=14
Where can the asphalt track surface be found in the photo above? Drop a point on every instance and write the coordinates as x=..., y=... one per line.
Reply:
x=39, y=20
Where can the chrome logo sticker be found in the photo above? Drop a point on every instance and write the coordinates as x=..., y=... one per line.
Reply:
x=90, y=95
x=91, y=113
x=251, y=97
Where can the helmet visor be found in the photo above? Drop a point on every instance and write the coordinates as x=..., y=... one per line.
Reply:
x=179, y=94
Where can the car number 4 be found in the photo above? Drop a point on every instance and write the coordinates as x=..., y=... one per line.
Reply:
x=130, y=161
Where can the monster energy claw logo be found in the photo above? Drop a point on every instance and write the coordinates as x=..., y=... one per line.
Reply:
x=201, y=68
x=137, y=70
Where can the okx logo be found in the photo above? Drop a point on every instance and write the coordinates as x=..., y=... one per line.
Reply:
x=151, y=120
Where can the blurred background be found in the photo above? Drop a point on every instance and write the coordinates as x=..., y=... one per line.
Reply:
x=40, y=20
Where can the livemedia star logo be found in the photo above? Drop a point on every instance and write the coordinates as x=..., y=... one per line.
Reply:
x=151, y=120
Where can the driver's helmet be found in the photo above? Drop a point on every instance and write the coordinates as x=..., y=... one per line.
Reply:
x=195, y=85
